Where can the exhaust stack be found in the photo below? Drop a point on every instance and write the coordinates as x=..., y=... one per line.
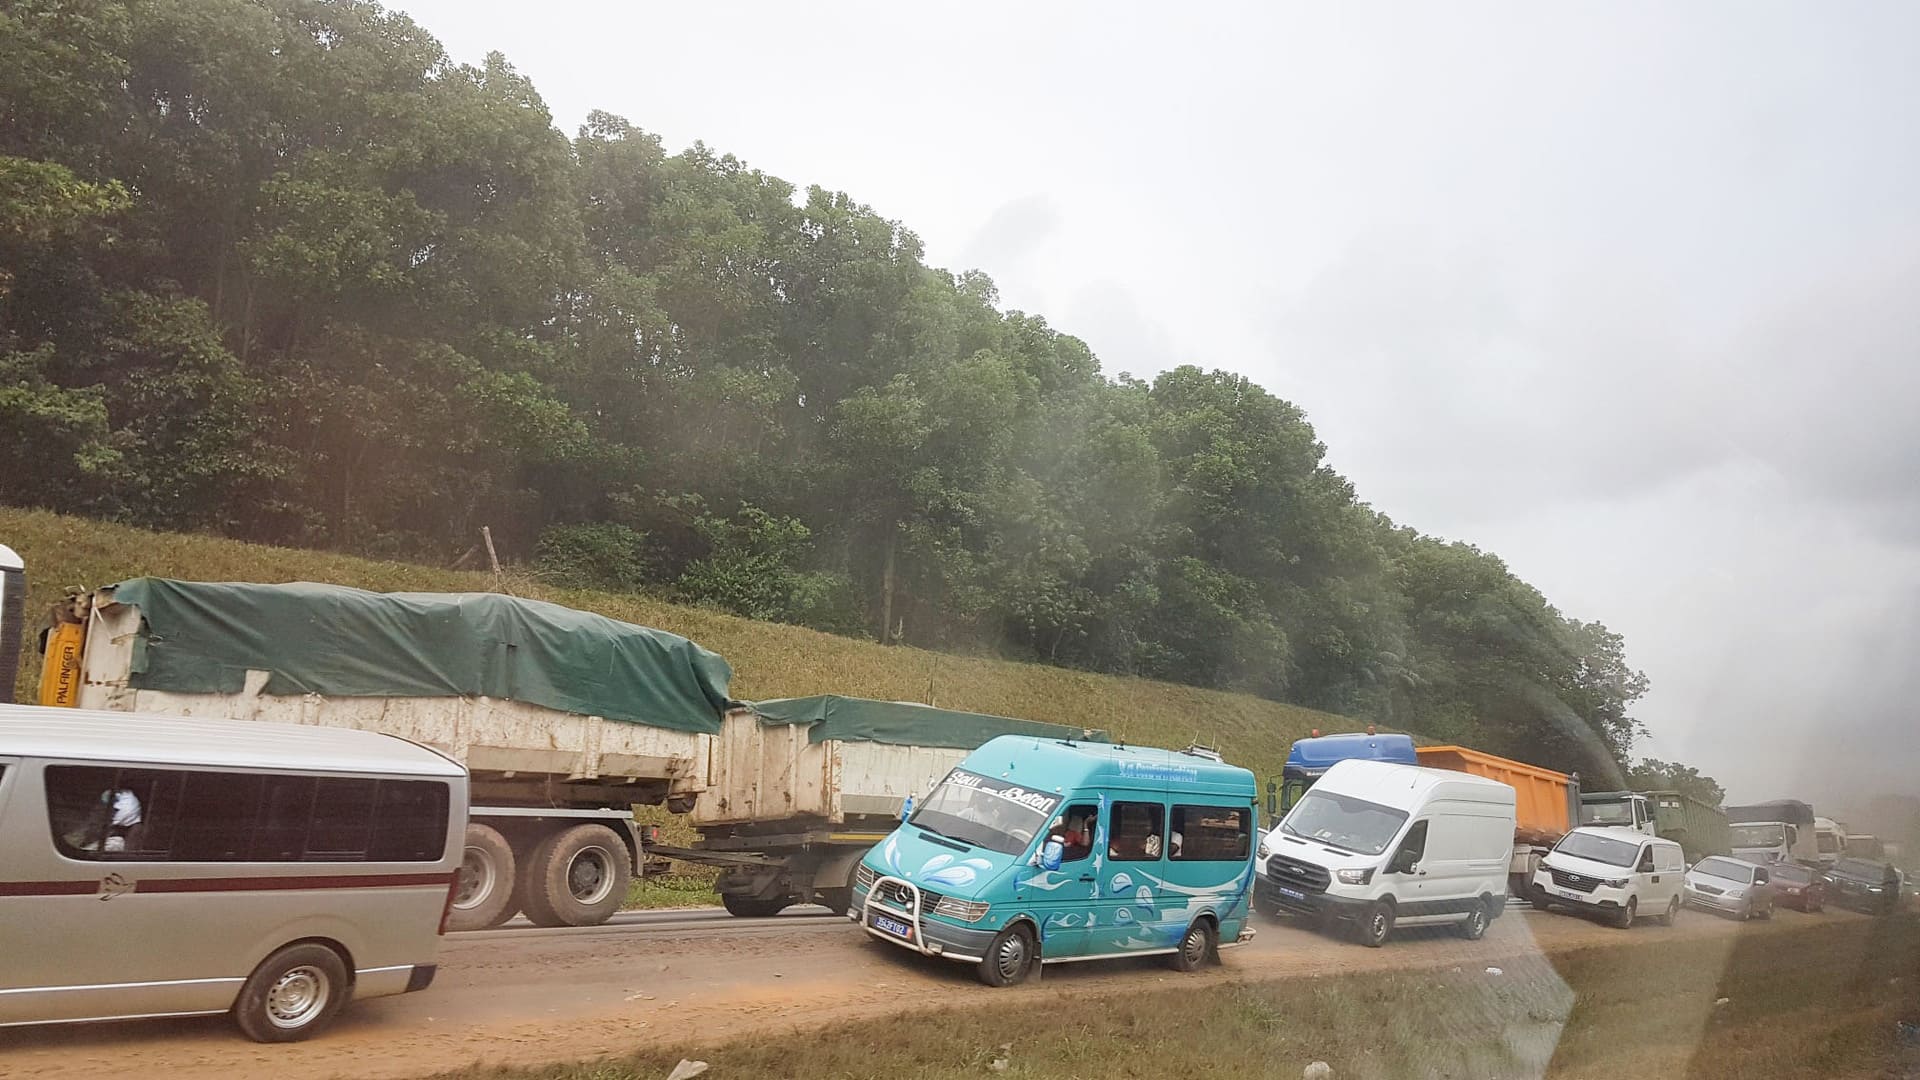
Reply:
x=13, y=607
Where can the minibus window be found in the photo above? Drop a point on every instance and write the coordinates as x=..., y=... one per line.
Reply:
x=1210, y=834
x=1136, y=835
x=342, y=820
x=410, y=822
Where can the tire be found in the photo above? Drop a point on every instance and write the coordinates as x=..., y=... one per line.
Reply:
x=1375, y=925
x=484, y=897
x=752, y=907
x=1624, y=920
x=1200, y=945
x=1765, y=913
x=576, y=877
x=1474, y=926
x=1010, y=957
x=838, y=901
x=293, y=994
x=1673, y=909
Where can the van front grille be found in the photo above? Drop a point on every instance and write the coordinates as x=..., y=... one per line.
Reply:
x=1298, y=875
x=900, y=896
x=1576, y=882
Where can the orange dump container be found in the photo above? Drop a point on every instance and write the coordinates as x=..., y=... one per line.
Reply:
x=1547, y=801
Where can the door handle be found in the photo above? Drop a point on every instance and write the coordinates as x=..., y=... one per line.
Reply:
x=1087, y=877
x=1422, y=871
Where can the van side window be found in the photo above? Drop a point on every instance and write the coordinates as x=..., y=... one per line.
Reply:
x=1136, y=833
x=188, y=815
x=1075, y=827
x=1210, y=834
x=1646, y=860
x=1413, y=848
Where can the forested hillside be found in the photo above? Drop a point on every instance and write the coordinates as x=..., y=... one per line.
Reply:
x=281, y=271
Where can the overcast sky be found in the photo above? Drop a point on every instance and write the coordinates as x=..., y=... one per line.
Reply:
x=1627, y=293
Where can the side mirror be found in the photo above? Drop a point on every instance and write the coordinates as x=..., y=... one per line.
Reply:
x=1273, y=800
x=1050, y=854
x=1761, y=877
x=1403, y=863
x=906, y=810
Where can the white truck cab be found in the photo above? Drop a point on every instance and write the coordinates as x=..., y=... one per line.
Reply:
x=1614, y=872
x=1376, y=845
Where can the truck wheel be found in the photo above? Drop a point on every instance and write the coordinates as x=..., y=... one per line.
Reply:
x=1010, y=957
x=838, y=901
x=1474, y=926
x=483, y=899
x=1196, y=948
x=576, y=877
x=1374, y=926
x=753, y=907
x=292, y=994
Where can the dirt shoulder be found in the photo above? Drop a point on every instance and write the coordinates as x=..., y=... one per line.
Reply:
x=529, y=999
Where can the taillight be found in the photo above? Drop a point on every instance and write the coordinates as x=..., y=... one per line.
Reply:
x=446, y=909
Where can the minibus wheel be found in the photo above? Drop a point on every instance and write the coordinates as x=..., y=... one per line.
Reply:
x=483, y=897
x=1010, y=957
x=292, y=995
x=1197, y=947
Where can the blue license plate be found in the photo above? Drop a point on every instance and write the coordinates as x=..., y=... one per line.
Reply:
x=898, y=929
x=1291, y=894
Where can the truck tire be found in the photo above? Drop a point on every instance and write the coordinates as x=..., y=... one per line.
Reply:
x=293, y=994
x=576, y=877
x=484, y=896
x=753, y=907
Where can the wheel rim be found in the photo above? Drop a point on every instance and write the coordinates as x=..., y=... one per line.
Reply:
x=1378, y=926
x=478, y=874
x=1477, y=921
x=1011, y=957
x=590, y=875
x=1195, y=948
x=297, y=996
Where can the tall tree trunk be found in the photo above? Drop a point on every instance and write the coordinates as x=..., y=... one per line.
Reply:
x=886, y=589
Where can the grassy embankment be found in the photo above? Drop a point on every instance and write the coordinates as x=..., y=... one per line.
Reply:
x=1823, y=1001
x=769, y=660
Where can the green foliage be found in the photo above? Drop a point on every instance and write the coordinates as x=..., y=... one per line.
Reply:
x=282, y=270
x=1652, y=774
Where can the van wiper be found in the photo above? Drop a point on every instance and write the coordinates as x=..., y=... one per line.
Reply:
x=942, y=839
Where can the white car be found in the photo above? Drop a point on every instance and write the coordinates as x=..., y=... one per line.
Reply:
x=1616, y=873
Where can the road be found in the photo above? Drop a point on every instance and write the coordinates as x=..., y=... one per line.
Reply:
x=527, y=995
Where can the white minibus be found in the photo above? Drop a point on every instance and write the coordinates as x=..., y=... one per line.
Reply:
x=160, y=866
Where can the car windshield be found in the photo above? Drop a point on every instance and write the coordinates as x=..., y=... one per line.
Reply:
x=1343, y=821
x=1860, y=868
x=1798, y=875
x=1828, y=843
x=1613, y=813
x=1726, y=870
x=984, y=812
x=1758, y=836
x=1606, y=849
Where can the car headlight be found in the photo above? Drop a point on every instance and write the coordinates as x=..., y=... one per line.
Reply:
x=964, y=910
x=1354, y=877
x=863, y=876
x=1616, y=883
x=1876, y=888
x=1736, y=892
x=1263, y=850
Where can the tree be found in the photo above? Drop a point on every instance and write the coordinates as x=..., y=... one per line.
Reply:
x=1651, y=774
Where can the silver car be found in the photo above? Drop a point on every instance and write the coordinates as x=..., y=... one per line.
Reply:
x=1731, y=887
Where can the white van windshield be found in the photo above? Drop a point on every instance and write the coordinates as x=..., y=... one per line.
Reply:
x=1599, y=848
x=1343, y=821
x=984, y=812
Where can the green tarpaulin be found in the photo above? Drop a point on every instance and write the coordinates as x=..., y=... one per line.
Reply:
x=904, y=723
x=202, y=637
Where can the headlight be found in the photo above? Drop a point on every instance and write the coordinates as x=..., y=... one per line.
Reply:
x=1354, y=877
x=1876, y=888
x=1615, y=883
x=863, y=877
x=964, y=910
x=1264, y=850
x=1736, y=892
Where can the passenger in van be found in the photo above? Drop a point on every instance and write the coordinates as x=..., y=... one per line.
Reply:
x=123, y=821
x=1075, y=843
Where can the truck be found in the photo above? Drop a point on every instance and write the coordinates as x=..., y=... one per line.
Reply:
x=1547, y=803
x=565, y=720
x=1700, y=828
x=800, y=788
x=1829, y=841
x=1778, y=831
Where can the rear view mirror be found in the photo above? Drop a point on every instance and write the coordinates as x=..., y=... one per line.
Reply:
x=1273, y=800
x=1050, y=855
x=906, y=809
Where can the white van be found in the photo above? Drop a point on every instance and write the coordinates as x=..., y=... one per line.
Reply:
x=158, y=866
x=1378, y=845
x=1614, y=872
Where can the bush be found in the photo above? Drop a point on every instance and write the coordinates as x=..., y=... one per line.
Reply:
x=594, y=555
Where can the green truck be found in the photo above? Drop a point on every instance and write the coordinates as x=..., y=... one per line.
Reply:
x=1698, y=827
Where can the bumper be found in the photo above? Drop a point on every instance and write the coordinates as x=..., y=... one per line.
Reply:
x=1305, y=901
x=1869, y=903
x=1609, y=901
x=928, y=937
x=1726, y=905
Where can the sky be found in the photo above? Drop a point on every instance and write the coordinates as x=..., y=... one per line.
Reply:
x=1628, y=293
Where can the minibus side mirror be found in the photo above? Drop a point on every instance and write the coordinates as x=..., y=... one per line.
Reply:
x=1050, y=855
x=1273, y=800
x=906, y=809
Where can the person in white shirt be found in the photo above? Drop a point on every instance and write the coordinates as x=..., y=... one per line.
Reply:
x=126, y=817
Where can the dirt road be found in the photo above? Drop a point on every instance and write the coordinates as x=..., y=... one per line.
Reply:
x=533, y=996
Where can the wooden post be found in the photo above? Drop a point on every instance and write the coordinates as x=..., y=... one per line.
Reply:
x=493, y=557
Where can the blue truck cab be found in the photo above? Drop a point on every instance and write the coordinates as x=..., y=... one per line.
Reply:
x=1047, y=850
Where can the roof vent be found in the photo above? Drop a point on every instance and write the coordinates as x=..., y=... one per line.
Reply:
x=1207, y=752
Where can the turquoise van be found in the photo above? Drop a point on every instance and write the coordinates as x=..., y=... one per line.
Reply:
x=1046, y=851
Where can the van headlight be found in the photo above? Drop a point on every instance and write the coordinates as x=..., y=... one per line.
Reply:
x=964, y=910
x=1615, y=883
x=1263, y=850
x=1354, y=877
x=863, y=876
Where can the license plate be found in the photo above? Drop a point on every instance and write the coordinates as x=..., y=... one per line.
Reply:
x=1569, y=894
x=898, y=929
x=1291, y=894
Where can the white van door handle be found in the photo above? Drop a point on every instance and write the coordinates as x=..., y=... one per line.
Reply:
x=1422, y=871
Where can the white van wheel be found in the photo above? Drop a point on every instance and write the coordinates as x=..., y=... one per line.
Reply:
x=1474, y=926
x=292, y=994
x=1375, y=925
x=1624, y=920
x=483, y=896
x=1673, y=909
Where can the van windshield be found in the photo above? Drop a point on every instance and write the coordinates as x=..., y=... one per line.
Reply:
x=1604, y=849
x=1755, y=836
x=1343, y=821
x=985, y=812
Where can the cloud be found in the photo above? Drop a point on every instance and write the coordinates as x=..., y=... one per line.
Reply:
x=1014, y=234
